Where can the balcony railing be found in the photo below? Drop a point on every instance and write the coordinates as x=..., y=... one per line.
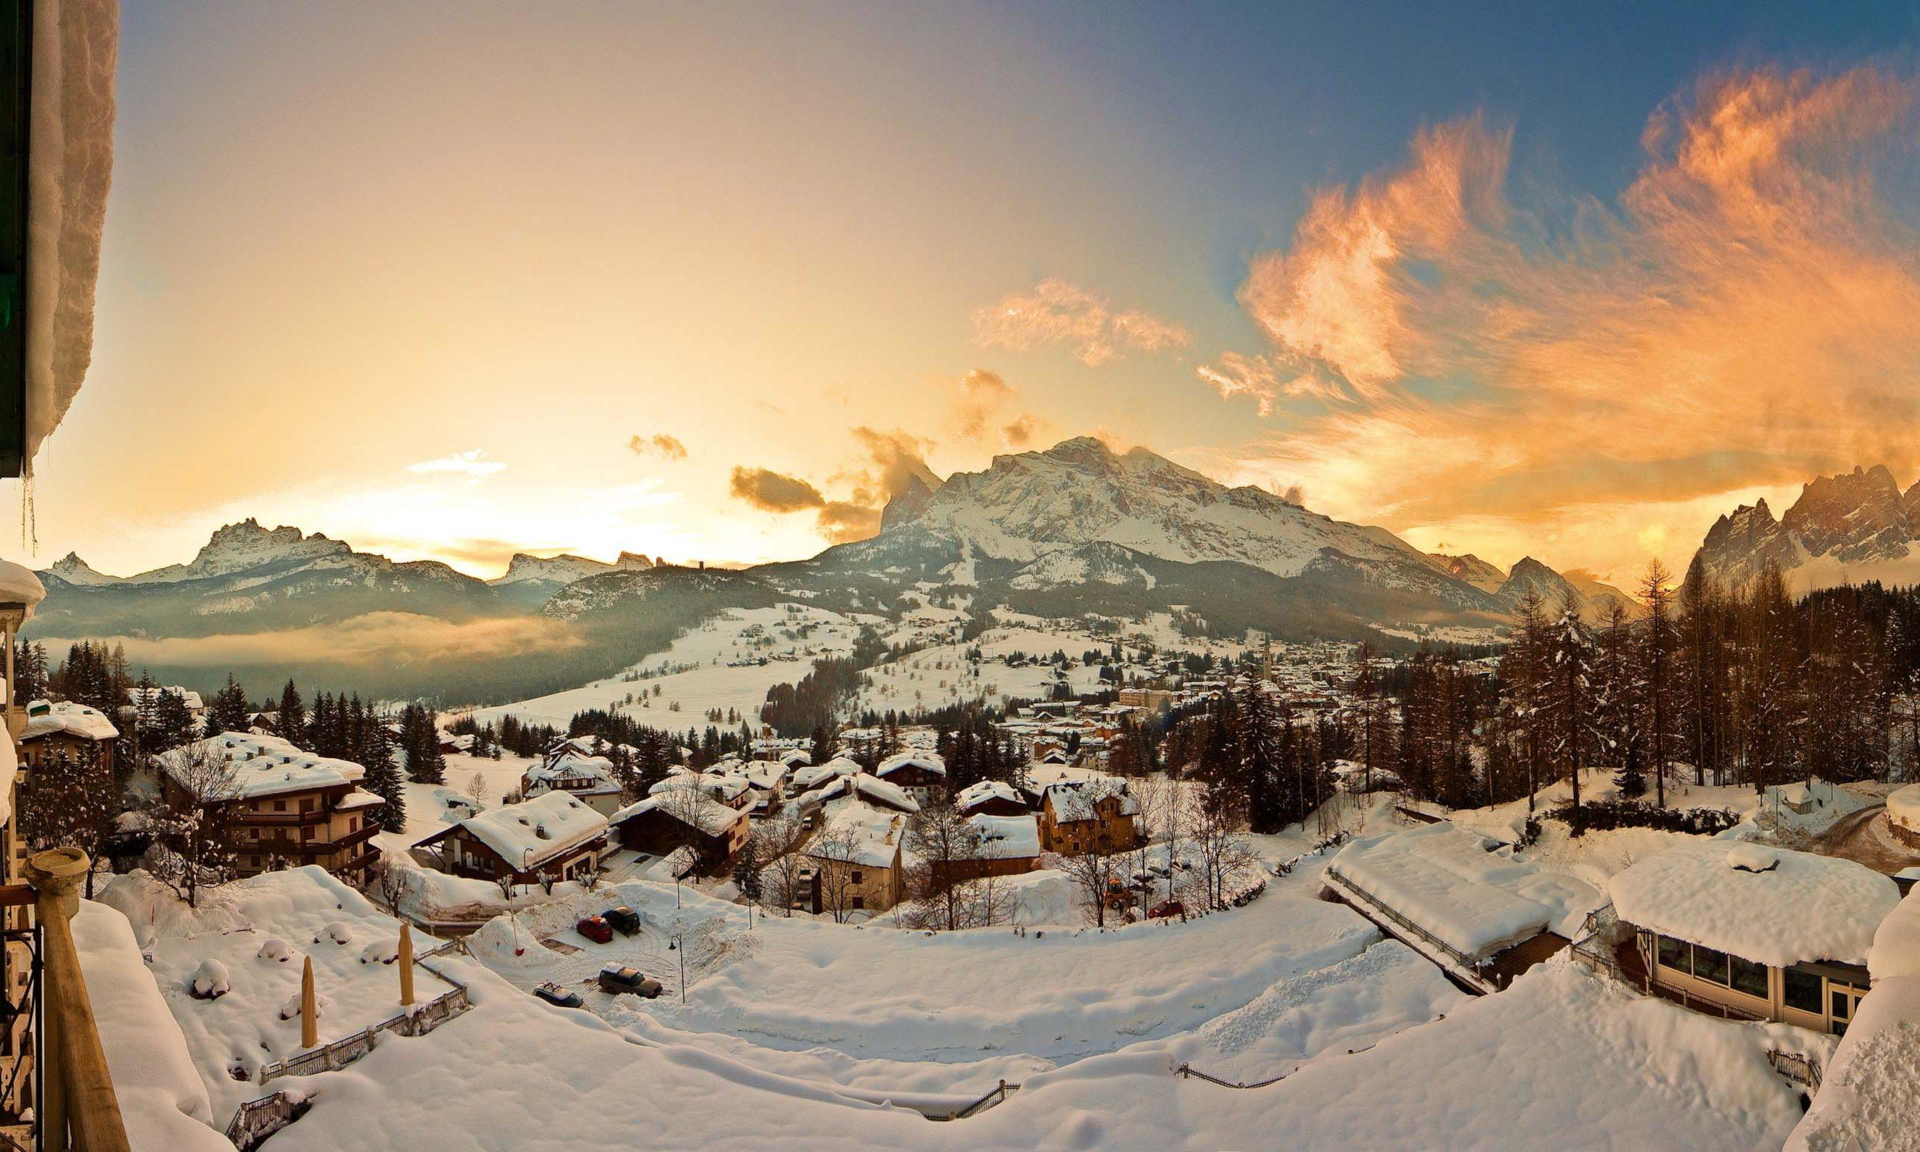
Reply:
x=79, y=1108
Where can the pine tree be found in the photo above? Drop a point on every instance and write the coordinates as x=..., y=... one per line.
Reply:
x=1572, y=685
x=230, y=709
x=293, y=716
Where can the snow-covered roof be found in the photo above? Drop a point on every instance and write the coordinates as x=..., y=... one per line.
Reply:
x=810, y=776
x=44, y=719
x=265, y=765
x=865, y=786
x=1041, y=775
x=1007, y=837
x=1722, y=895
x=720, y=787
x=1076, y=800
x=983, y=791
x=138, y=696
x=872, y=835
x=764, y=773
x=1461, y=887
x=794, y=756
x=702, y=812
x=18, y=585
x=532, y=832
x=359, y=798
x=927, y=761
x=570, y=766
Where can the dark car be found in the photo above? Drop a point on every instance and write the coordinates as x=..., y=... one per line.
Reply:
x=558, y=995
x=1167, y=908
x=596, y=929
x=623, y=918
x=618, y=978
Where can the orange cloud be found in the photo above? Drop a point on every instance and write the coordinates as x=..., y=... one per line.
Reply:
x=978, y=412
x=1057, y=311
x=1748, y=313
x=889, y=463
x=659, y=444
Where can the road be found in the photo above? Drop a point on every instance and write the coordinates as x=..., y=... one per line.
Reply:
x=1863, y=836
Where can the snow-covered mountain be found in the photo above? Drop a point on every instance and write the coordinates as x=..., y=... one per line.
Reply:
x=564, y=569
x=1081, y=492
x=1470, y=568
x=248, y=578
x=1595, y=599
x=1849, y=527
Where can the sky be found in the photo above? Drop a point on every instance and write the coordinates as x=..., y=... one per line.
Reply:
x=705, y=282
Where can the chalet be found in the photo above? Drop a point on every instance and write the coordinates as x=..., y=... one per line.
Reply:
x=281, y=805
x=553, y=836
x=807, y=777
x=1088, y=816
x=683, y=818
x=1740, y=929
x=1005, y=846
x=66, y=729
x=856, y=859
x=768, y=780
x=991, y=798
x=733, y=791
x=793, y=757
x=921, y=774
x=1461, y=899
x=588, y=778
x=867, y=789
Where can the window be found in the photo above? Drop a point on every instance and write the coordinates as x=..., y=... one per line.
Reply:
x=1673, y=953
x=279, y=805
x=1709, y=965
x=859, y=902
x=1802, y=990
x=857, y=875
x=1750, y=978
x=308, y=832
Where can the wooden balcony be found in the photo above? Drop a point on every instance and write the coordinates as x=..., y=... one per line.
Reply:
x=80, y=1109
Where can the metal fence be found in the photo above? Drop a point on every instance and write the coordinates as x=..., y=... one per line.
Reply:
x=256, y=1120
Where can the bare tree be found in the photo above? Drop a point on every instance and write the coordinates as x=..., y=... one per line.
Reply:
x=198, y=789
x=780, y=838
x=477, y=790
x=1160, y=801
x=1095, y=870
x=945, y=843
x=837, y=852
x=1224, y=854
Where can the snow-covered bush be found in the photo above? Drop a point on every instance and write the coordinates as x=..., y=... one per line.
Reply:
x=276, y=950
x=210, y=981
x=383, y=951
x=339, y=931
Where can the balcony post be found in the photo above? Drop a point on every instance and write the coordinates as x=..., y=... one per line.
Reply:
x=78, y=1089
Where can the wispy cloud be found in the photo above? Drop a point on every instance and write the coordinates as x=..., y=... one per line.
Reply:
x=659, y=444
x=1747, y=312
x=983, y=410
x=1056, y=311
x=472, y=463
x=889, y=462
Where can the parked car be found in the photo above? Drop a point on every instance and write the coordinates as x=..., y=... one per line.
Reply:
x=1167, y=908
x=596, y=929
x=623, y=918
x=618, y=978
x=558, y=995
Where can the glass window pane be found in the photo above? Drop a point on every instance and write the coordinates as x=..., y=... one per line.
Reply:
x=1750, y=978
x=1802, y=990
x=1840, y=1004
x=1673, y=953
x=1709, y=965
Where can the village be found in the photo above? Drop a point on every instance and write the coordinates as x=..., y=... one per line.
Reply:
x=845, y=924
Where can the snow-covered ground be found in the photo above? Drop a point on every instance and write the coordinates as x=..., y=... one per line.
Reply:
x=714, y=666
x=809, y=1035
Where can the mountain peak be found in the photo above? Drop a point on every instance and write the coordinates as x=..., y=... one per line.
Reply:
x=76, y=571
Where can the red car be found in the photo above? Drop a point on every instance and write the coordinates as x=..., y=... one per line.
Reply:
x=1167, y=908
x=596, y=929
